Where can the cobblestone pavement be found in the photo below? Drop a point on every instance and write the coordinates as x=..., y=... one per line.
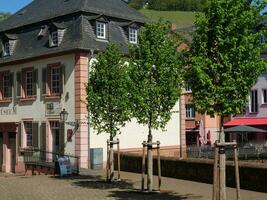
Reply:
x=91, y=186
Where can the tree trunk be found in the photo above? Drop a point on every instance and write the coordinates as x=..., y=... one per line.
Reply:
x=149, y=162
x=111, y=160
x=222, y=180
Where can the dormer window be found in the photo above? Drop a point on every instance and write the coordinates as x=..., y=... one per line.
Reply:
x=133, y=35
x=7, y=49
x=101, y=30
x=57, y=31
x=54, y=38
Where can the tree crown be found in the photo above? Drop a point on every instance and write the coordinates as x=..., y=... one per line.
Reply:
x=224, y=59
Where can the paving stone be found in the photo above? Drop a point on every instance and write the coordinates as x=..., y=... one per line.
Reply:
x=91, y=185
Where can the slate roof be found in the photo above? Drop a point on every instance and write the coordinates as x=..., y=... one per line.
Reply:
x=79, y=27
x=40, y=10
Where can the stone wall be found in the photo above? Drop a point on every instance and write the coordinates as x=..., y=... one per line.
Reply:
x=252, y=175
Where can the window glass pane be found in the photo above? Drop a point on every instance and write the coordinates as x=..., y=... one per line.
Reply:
x=55, y=80
x=254, y=101
x=133, y=35
x=190, y=111
x=29, y=83
x=264, y=93
x=187, y=87
x=6, y=82
x=7, y=49
x=101, y=30
x=55, y=38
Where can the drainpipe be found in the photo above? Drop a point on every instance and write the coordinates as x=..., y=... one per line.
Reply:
x=181, y=129
x=89, y=140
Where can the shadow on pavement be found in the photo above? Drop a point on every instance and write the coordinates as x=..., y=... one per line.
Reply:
x=103, y=184
x=138, y=195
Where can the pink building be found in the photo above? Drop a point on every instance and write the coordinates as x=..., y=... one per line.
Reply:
x=255, y=114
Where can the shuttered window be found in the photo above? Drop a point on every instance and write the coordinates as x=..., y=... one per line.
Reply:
x=28, y=131
x=6, y=85
x=32, y=133
x=56, y=37
x=53, y=80
x=27, y=81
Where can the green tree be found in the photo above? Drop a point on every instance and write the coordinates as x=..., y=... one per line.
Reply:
x=224, y=60
x=156, y=78
x=4, y=16
x=107, y=95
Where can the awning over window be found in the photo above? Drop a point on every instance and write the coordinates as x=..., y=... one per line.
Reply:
x=246, y=121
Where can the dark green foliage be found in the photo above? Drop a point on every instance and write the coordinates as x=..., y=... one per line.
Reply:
x=4, y=16
x=181, y=5
x=137, y=4
x=107, y=92
x=224, y=60
x=155, y=75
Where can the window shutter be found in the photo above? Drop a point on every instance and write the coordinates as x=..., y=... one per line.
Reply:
x=50, y=40
x=19, y=135
x=62, y=78
x=1, y=48
x=61, y=138
x=1, y=84
x=18, y=92
x=44, y=81
x=35, y=134
x=11, y=84
x=35, y=81
x=43, y=137
x=60, y=35
x=12, y=44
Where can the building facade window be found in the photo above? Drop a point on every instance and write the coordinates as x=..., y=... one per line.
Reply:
x=28, y=131
x=55, y=80
x=254, y=101
x=6, y=49
x=29, y=83
x=188, y=87
x=133, y=36
x=54, y=38
x=6, y=85
x=264, y=96
x=101, y=30
x=190, y=111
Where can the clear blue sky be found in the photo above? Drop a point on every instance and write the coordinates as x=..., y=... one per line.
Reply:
x=12, y=5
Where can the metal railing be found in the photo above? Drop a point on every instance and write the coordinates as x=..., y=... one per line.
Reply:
x=40, y=157
x=244, y=153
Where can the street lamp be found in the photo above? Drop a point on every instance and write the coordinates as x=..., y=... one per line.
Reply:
x=64, y=115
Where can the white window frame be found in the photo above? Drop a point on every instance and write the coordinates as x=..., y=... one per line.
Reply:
x=190, y=111
x=29, y=83
x=54, y=38
x=254, y=104
x=188, y=88
x=7, y=49
x=133, y=35
x=101, y=30
x=55, y=80
x=264, y=96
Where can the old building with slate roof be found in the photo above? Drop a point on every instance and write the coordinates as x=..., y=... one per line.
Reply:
x=46, y=50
